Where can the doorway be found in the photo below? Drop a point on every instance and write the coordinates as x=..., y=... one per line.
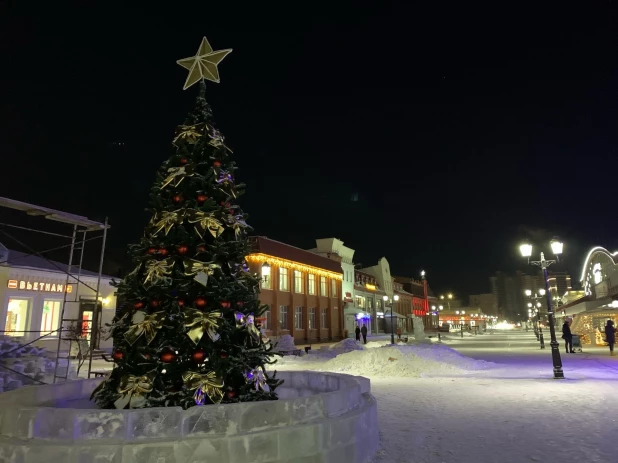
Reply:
x=90, y=319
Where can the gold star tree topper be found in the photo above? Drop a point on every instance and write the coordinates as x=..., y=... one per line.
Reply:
x=204, y=64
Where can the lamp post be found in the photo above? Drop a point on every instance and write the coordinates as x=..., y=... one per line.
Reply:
x=386, y=299
x=556, y=247
x=537, y=310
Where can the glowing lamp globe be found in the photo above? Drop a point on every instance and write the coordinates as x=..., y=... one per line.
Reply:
x=396, y=297
x=542, y=292
x=556, y=246
x=528, y=292
x=526, y=250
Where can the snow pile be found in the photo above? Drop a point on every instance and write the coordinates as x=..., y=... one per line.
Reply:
x=402, y=361
x=285, y=343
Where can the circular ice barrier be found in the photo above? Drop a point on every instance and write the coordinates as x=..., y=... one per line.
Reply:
x=319, y=417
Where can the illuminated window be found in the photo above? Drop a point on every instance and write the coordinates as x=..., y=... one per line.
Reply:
x=312, y=318
x=16, y=317
x=598, y=276
x=266, y=282
x=333, y=288
x=50, y=317
x=360, y=301
x=298, y=318
x=324, y=319
x=298, y=281
x=323, y=291
x=311, y=283
x=283, y=317
x=283, y=279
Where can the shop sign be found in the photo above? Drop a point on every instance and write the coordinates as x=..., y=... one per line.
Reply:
x=348, y=297
x=371, y=287
x=23, y=285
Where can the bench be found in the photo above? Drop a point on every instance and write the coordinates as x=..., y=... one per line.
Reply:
x=100, y=373
x=290, y=352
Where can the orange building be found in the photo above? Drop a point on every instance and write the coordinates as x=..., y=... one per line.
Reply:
x=301, y=289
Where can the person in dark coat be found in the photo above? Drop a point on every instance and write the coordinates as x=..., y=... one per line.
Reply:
x=610, y=336
x=357, y=331
x=364, y=333
x=568, y=337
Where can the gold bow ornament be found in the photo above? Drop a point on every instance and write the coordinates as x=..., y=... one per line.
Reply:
x=165, y=220
x=257, y=378
x=248, y=322
x=158, y=270
x=148, y=327
x=205, y=385
x=199, y=322
x=205, y=222
x=176, y=175
x=193, y=267
x=133, y=391
x=189, y=133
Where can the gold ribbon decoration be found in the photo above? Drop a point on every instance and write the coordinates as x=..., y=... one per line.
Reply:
x=204, y=222
x=208, y=385
x=149, y=327
x=133, y=391
x=248, y=322
x=199, y=322
x=193, y=267
x=189, y=133
x=157, y=270
x=176, y=175
x=257, y=378
x=165, y=220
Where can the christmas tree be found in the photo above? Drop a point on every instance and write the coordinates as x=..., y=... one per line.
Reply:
x=187, y=335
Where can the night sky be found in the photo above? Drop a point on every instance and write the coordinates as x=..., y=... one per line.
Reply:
x=460, y=128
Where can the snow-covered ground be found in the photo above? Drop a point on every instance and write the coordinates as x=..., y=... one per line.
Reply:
x=489, y=398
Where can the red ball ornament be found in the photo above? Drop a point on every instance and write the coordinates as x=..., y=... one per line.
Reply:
x=198, y=356
x=151, y=251
x=182, y=249
x=240, y=304
x=162, y=252
x=201, y=198
x=138, y=305
x=181, y=302
x=118, y=355
x=223, y=355
x=200, y=249
x=225, y=304
x=217, y=163
x=231, y=394
x=183, y=161
x=155, y=303
x=200, y=302
x=167, y=357
x=177, y=199
x=231, y=211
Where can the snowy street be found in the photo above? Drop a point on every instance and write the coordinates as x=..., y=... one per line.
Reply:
x=464, y=411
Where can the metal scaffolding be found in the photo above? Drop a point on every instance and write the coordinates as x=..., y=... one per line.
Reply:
x=82, y=228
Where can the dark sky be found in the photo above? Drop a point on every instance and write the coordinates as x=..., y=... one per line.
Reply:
x=462, y=128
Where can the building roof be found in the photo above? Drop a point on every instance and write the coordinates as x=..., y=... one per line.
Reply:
x=17, y=259
x=264, y=245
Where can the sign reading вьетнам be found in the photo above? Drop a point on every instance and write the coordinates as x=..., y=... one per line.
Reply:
x=39, y=286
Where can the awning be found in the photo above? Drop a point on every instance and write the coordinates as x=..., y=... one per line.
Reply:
x=387, y=314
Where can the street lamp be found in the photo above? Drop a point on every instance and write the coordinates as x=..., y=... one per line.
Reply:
x=395, y=298
x=538, y=331
x=556, y=247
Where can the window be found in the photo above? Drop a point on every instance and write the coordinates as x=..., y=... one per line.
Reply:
x=283, y=317
x=283, y=279
x=323, y=286
x=16, y=317
x=265, y=322
x=298, y=281
x=266, y=283
x=50, y=317
x=312, y=318
x=333, y=287
x=360, y=302
x=311, y=283
x=323, y=323
x=298, y=318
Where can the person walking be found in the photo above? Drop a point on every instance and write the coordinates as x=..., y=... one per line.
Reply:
x=568, y=337
x=610, y=336
x=357, y=331
x=364, y=333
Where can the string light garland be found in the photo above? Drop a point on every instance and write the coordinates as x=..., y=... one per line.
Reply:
x=264, y=258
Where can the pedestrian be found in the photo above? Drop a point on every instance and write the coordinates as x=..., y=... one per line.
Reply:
x=568, y=337
x=357, y=331
x=610, y=336
x=364, y=333
x=399, y=333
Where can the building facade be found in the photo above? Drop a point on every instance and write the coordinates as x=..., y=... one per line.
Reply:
x=33, y=292
x=487, y=303
x=367, y=308
x=301, y=289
